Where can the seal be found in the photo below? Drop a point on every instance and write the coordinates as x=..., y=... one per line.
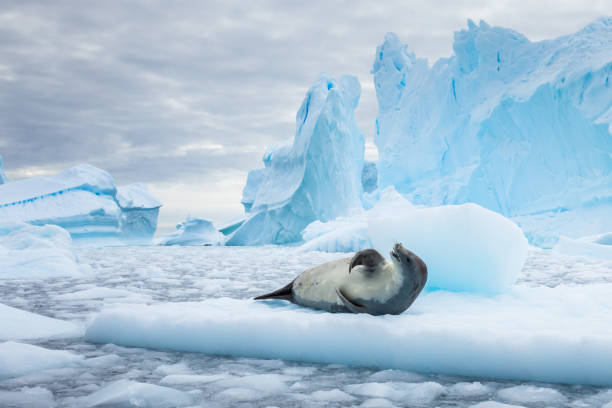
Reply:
x=365, y=283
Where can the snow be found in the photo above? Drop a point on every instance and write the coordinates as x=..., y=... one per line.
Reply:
x=17, y=359
x=344, y=234
x=465, y=247
x=530, y=334
x=28, y=251
x=519, y=127
x=193, y=231
x=85, y=201
x=22, y=325
x=411, y=393
x=315, y=176
x=126, y=393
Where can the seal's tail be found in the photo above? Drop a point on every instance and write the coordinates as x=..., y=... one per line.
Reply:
x=284, y=293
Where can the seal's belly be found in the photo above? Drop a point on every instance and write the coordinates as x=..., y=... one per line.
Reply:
x=316, y=287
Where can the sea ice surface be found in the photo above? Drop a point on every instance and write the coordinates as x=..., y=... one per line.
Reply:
x=315, y=176
x=17, y=359
x=549, y=286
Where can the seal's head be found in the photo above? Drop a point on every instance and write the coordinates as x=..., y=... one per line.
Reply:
x=370, y=259
x=410, y=263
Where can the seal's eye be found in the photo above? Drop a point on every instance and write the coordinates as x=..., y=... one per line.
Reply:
x=408, y=259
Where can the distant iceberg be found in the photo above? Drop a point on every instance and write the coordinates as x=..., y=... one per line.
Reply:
x=315, y=176
x=3, y=178
x=522, y=128
x=85, y=201
x=193, y=231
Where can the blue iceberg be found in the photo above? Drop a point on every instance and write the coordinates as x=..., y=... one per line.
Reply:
x=522, y=128
x=85, y=201
x=315, y=176
x=3, y=178
x=193, y=231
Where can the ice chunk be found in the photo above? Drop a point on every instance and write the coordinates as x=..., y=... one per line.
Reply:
x=17, y=359
x=473, y=389
x=466, y=247
x=32, y=252
x=28, y=397
x=21, y=325
x=494, y=404
x=316, y=176
x=334, y=395
x=84, y=201
x=519, y=127
x=193, y=231
x=3, y=178
x=131, y=393
x=442, y=332
x=529, y=394
x=344, y=234
x=411, y=393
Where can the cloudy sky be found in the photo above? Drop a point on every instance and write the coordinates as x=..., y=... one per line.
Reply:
x=186, y=95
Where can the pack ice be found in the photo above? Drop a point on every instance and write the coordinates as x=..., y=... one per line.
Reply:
x=519, y=127
x=85, y=201
x=315, y=176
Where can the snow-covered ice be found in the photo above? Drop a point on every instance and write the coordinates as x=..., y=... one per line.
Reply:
x=314, y=176
x=126, y=393
x=532, y=333
x=519, y=127
x=85, y=201
x=193, y=231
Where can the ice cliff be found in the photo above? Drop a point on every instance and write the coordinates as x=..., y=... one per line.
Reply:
x=315, y=176
x=85, y=201
x=522, y=128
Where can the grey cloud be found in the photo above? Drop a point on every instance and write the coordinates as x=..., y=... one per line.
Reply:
x=123, y=85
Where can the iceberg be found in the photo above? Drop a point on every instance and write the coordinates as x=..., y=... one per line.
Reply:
x=36, y=252
x=369, y=177
x=522, y=128
x=85, y=201
x=193, y=231
x=3, y=178
x=315, y=176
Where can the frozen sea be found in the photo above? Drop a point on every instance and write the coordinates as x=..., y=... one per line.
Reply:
x=110, y=375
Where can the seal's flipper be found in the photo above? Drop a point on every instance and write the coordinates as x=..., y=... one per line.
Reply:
x=350, y=305
x=285, y=293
